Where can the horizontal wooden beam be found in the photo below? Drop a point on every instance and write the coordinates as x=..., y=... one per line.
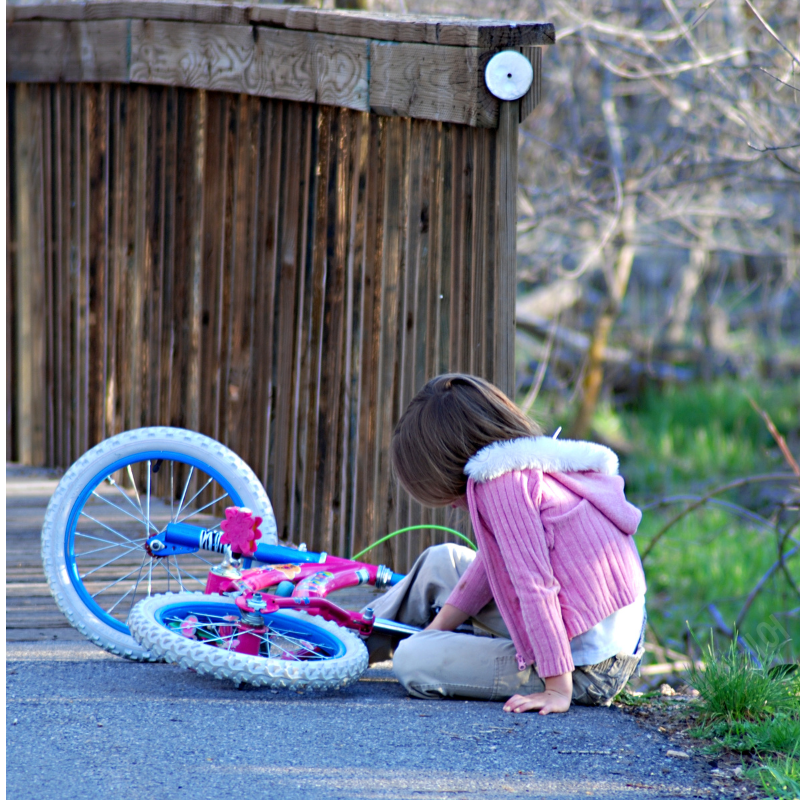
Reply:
x=306, y=67
x=68, y=52
x=428, y=70
x=412, y=80
x=431, y=82
x=442, y=30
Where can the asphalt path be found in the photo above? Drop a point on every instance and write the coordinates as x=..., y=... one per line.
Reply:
x=81, y=723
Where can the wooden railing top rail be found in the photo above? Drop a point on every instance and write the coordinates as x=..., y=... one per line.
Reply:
x=441, y=30
x=421, y=67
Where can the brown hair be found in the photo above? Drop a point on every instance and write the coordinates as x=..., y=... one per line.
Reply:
x=451, y=418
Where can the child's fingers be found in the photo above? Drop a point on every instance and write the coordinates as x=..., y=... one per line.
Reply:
x=543, y=703
x=521, y=703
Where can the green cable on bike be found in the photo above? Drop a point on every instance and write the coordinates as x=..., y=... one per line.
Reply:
x=414, y=528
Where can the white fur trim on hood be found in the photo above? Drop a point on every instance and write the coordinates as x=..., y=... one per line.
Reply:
x=540, y=452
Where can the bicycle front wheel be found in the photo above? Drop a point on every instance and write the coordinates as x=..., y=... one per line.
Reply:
x=295, y=650
x=118, y=495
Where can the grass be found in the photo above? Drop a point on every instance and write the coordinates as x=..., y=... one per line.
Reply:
x=749, y=708
x=780, y=777
x=736, y=688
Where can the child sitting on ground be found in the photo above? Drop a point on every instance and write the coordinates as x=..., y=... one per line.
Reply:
x=556, y=572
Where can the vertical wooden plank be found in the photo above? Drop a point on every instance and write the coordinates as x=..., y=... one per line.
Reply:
x=48, y=317
x=257, y=362
x=240, y=310
x=30, y=280
x=288, y=220
x=459, y=281
x=138, y=265
x=11, y=301
x=478, y=301
x=65, y=292
x=198, y=116
x=85, y=309
x=426, y=304
x=407, y=511
x=393, y=268
x=174, y=286
x=97, y=257
x=157, y=296
x=353, y=367
x=60, y=277
x=368, y=498
x=311, y=361
x=529, y=101
x=130, y=112
x=222, y=320
x=427, y=348
x=310, y=121
x=213, y=259
x=445, y=225
x=331, y=422
x=267, y=266
x=506, y=170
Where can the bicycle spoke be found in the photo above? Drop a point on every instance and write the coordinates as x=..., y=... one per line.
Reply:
x=164, y=564
x=136, y=587
x=298, y=642
x=193, y=498
x=207, y=505
x=132, y=544
x=185, y=489
x=133, y=483
x=132, y=589
x=178, y=574
x=121, y=491
x=107, y=547
x=186, y=572
x=122, y=510
x=118, y=580
x=103, y=566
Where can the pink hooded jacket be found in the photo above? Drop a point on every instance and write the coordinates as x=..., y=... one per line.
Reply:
x=555, y=546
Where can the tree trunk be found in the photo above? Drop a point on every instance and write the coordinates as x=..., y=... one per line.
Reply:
x=618, y=276
x=594, y=369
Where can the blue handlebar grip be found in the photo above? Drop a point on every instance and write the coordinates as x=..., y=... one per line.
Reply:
x=395, y=579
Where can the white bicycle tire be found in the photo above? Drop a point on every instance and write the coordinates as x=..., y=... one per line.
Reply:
x=224, y=664
x=55, y=555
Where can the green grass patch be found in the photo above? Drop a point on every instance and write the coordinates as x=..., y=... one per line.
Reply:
x=688, y=437
x=748, y=707
x=780, y=777
x=735, y=688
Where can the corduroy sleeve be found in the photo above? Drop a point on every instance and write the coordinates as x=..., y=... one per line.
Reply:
x=472, y=592
x=512, y=538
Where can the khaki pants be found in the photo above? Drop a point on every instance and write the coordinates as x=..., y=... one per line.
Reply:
x=437, y=664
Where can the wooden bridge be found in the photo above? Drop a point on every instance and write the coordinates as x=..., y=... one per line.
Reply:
x=267, y=223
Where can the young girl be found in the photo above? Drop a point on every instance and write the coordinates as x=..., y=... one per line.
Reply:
x=556, y=572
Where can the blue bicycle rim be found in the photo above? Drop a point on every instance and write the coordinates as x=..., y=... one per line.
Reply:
x=91, y=485
x=282, y=623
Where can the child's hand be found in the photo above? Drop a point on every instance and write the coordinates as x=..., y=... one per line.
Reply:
x=545, y=702
x=555, y=698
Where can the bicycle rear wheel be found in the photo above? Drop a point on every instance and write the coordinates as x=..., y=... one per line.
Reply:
x=117, y=495
x=296, y=650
